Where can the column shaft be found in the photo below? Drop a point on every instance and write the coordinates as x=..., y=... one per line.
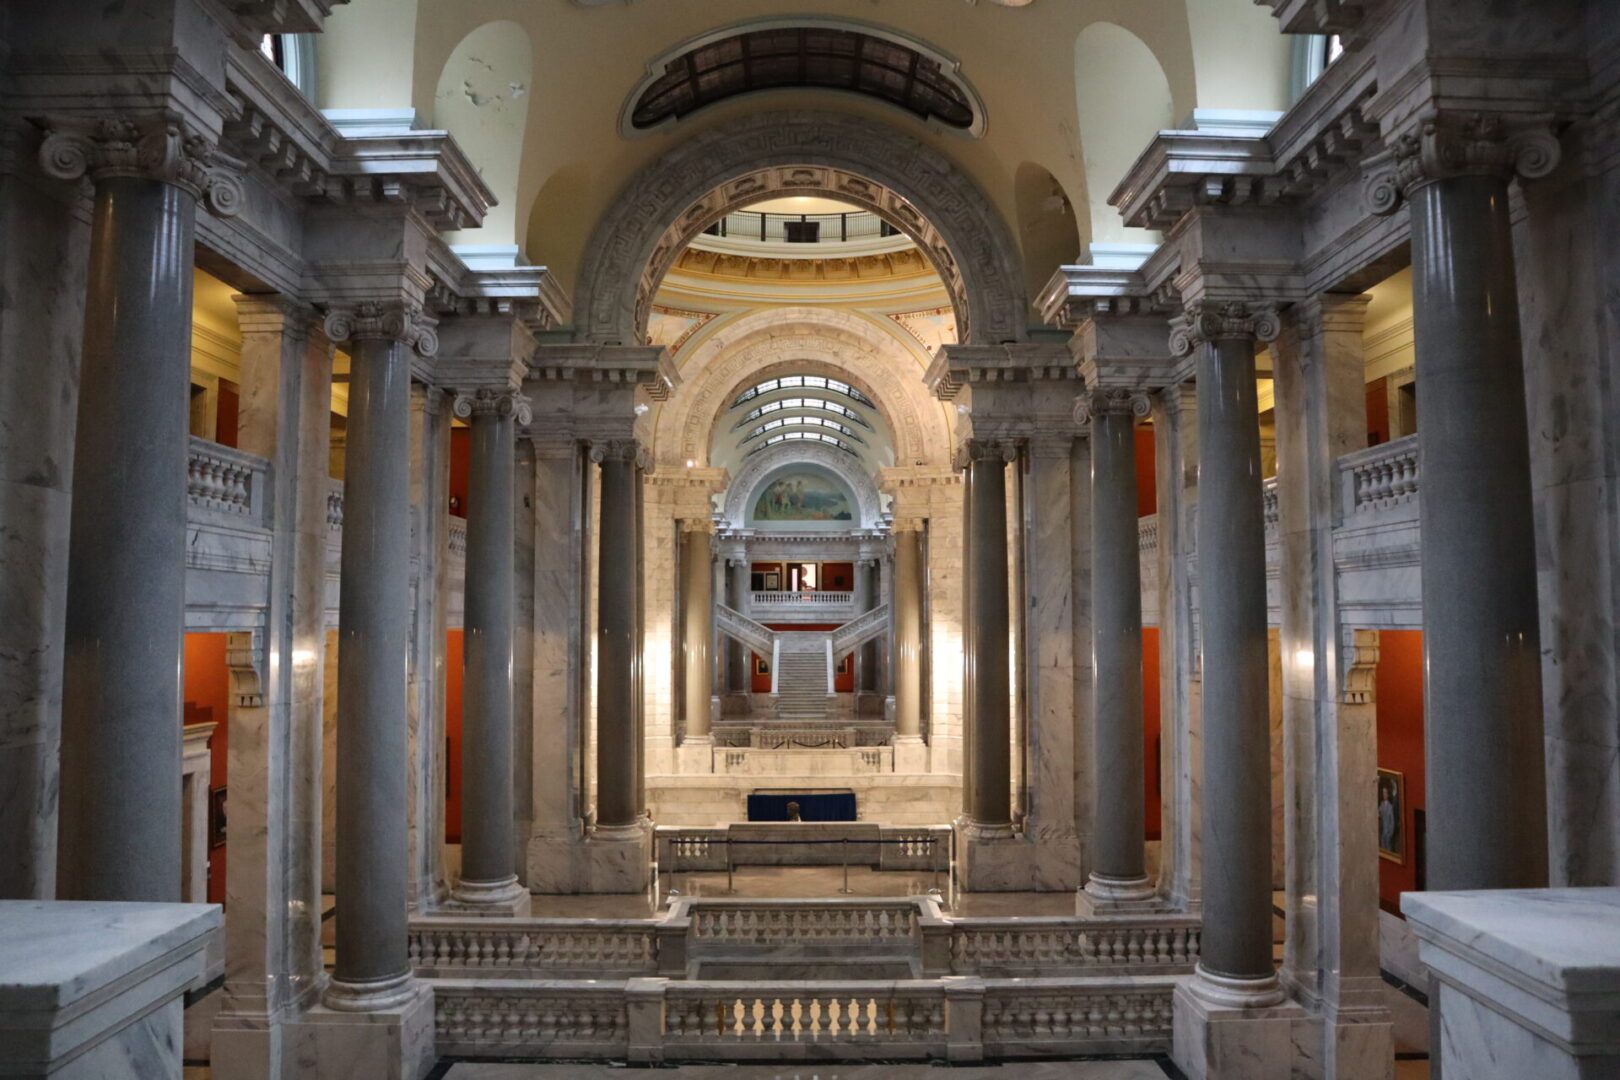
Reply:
x=738, y=657
x=907, y=616
x=1116, y=612
x=486, y=759
x=988, y=587
x=121, y=701
x=697, y=629
x=616, y=646
x=1486, y=794
x=1237, y=748
x=374, y=633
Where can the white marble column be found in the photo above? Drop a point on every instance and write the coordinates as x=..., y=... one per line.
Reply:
x=488, y=883
x=989, y=810
x=1236, y=965
x=697, y=629
x=1118, y=862
x=1330, y=723
x=120, y=774
x=272, y=938
x=1485, y=790
x=739, y=665
x=374, y=620
x=618, y=570
x=908, y=642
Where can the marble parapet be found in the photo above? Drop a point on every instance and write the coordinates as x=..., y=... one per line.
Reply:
x=95, y=989
x=1528, y=980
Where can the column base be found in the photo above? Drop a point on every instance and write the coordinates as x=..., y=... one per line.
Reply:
x=995, y=858
x=695, y=755
x=618, y=859
x=503, y=899
x=910, y=754
x=1235, y=1029
x=1104, y=895
x=392, y=1041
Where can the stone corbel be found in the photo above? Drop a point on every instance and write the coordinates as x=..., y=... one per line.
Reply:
x=1206, y=321
x=392, y=320
x=158, y=146
x=1360, y=657
x=243, y=657
x=1449, y=144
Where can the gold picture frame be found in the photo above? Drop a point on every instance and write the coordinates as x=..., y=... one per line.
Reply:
x=1391, y=809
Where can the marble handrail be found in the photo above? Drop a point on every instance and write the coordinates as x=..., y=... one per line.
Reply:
x=740, y=628
x=440, y=945
x=1379, y=477
x=1074, y=944
x=859, y=631
x=819, y=921
x=227, y=481
x=823, y=598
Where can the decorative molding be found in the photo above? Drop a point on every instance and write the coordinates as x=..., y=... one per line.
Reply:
x=391, y=320
x=1456, y=143
x=1360, y=655
x=907, y=182
x=160, y=146
x=1206, y=321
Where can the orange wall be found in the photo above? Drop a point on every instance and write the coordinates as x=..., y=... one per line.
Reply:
x=1150, y=727
x=460, y=466
x=207, y=696
x=1377, y=412
x=1400, y=747
x=1147, y=488
x=226, y=417
x=452, y=737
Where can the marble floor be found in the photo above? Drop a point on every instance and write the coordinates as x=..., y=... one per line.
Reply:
x=1037, y=1070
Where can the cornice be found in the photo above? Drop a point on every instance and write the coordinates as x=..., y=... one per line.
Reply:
x=1075, y=294
x=628, y=366
x=957, y=366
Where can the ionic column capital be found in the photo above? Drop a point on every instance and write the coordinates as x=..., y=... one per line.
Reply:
x=383, y=320
x=627, y=451
x=486, y=401
x=158, y=146
x=1111, y=401
x=992, y=450
x=1205, y=321
x=1453, y=143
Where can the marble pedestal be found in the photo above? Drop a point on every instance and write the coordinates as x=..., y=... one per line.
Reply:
x=695, y=755
x=496, y=900
x=1527, y=981
x=600, y=861
x=1016, y=863
x=94, y=991
x=1130, y=898
x=910, y=754
x=1230, y=1042
x=386, y=1044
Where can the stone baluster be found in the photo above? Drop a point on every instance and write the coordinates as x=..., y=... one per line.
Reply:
x=1485, y=791
x=1118, y=877
x=1236, y=967
x=617, y=805
x=119, y=831
x=488, y=883
x=374, y=620
x=990, y=805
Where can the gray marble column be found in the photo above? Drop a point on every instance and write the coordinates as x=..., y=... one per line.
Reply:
x=119, y=828
x=374, y=621
x=1485, y=791
x=990, y=807
x=1118, y=866
x=488, y=879
x=616, y=660
x=1236, y=962
x=908, y=643
x=697, y=629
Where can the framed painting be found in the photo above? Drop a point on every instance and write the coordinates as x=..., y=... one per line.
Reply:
x=1392, y=815
x=216, y=817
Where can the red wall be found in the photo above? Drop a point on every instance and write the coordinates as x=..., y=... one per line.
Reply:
x=1400, y=747
x=1147, y=484
x=207, y=695
x=452, y=737
x=460, y=464
x=837, y=577
x=1377, y=412
x=761, y=684
x=1150, y=727
x=227, y=416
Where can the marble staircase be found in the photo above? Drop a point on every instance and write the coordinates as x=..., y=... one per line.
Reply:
x=802, y=677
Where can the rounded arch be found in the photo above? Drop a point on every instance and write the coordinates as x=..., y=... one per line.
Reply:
x=482, y=99
x=1114, y=127
x=1046, y=224
x=816, y=341
x=763, y=466
x=907, y=182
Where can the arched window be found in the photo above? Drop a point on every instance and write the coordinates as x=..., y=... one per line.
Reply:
x=294, y=55
x=823, y=57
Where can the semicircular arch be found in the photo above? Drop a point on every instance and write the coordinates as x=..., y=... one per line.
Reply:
x=910, y=184
x=761, y=467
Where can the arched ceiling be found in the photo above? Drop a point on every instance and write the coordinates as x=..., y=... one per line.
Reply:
x=585, y=60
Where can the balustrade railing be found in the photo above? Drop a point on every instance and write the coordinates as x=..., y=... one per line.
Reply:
x=996, y=946
x=1268, y=500
x=464, y=947
x=817, y=597
x=227, y=481
x=883, y=1017
x=764, y=923
x=1379, y=477
x=802, y=228
x=334, y=505
x=458, y=536
x=1147, y=533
